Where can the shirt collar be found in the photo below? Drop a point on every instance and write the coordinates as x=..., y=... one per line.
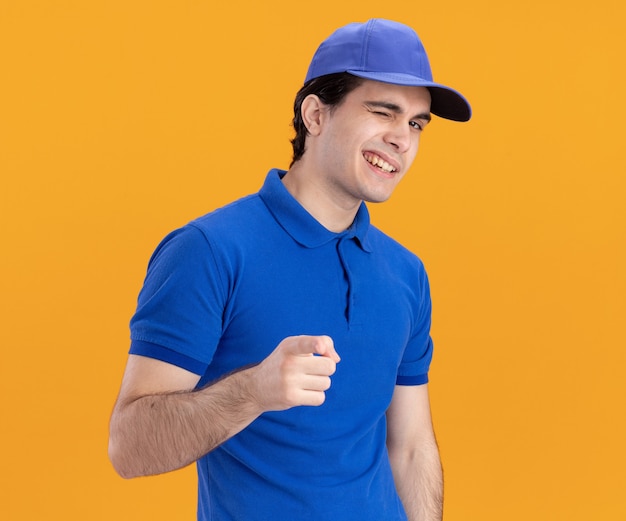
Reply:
x=300, y=224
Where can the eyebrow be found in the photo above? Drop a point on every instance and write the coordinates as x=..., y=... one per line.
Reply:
x=396, y=109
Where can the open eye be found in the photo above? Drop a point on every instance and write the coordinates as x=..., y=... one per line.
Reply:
x=416, y=125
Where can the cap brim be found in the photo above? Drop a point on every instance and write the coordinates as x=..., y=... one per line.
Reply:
x=446, y=103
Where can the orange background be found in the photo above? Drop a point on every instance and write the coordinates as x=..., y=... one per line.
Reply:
x=120, y=121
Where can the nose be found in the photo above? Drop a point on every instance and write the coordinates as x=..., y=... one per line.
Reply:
x=399, y=136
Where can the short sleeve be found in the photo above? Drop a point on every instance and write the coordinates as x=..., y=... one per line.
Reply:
x=179, y=309
x=418, y=354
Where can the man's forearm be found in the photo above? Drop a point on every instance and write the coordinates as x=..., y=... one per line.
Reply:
x=152, y=433
x=419, y=480
x=162, y=432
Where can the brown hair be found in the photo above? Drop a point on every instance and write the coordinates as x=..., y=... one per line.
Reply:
x=331, y=89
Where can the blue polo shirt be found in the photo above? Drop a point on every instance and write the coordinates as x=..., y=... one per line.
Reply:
x=224, y=290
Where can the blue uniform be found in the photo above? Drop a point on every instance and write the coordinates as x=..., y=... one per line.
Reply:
x=223, y=291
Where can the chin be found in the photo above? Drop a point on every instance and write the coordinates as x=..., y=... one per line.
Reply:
x=378, y=198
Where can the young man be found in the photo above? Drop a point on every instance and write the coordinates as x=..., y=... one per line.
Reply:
x=283, y=342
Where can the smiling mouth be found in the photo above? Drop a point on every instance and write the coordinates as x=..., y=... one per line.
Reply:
x=379, y=162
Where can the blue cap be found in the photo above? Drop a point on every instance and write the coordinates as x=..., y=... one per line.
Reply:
x=390, y=52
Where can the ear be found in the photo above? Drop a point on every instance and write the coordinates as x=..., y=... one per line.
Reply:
x=312, y=111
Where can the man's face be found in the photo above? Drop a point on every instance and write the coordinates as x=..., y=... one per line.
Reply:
x=367, y=143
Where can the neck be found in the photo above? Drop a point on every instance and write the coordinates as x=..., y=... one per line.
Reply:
x=319, y=200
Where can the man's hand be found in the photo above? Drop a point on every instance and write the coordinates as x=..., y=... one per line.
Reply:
x=296, y=373
x=160, y=423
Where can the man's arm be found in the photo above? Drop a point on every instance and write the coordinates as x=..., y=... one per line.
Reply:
x=159, y=423
x=414, y=454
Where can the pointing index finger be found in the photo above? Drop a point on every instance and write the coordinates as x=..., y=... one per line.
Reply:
x=321, y=345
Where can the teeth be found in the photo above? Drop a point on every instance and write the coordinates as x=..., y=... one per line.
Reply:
x=380, y=163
